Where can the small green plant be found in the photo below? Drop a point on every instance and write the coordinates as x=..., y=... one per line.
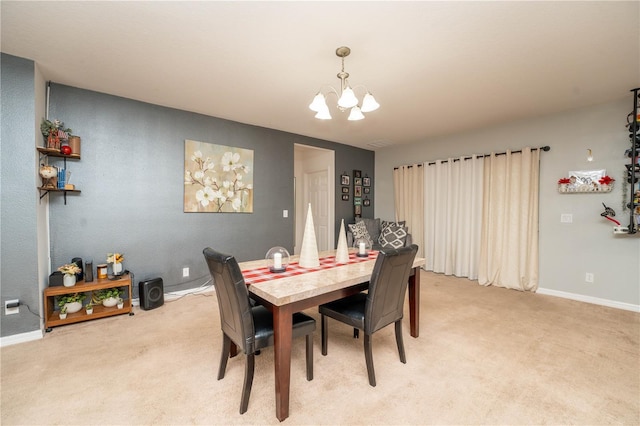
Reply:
x=70, y=298
x=106, y=293
x=63, y=310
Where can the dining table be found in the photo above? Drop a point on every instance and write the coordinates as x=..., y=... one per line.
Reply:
x=298, y=288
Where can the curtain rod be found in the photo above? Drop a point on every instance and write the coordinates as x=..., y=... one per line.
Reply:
x=543, y=148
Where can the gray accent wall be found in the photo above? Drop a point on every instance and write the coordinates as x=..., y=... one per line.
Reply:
x=131, y=180
x=19, y=203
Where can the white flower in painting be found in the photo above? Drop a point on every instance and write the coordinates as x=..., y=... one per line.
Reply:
x=204, y=196
x=226, y=184
x=187, y=177
x=230, y=194
x=236, y=203
x=239, y=185
x=198, y=175
x=229, y=161
x=208, y=181
x=250, y=186
x=239, y=176
x=197, y=155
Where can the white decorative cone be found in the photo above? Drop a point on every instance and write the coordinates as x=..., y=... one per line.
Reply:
x=342, y=251
x=309, y=253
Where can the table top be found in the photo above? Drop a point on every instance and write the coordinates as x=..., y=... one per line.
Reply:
x=284, y=290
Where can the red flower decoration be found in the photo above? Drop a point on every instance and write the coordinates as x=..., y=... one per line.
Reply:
x=564, y=180
x=606, y=180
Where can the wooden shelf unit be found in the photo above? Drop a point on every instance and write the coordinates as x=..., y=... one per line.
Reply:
x=52, y=317
x=49, y=152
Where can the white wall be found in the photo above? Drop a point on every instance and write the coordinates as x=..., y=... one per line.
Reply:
x=567, y=251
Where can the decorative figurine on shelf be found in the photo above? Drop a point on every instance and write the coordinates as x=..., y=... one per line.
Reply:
x=54, y=132
x=48, y=173
x=116, y=263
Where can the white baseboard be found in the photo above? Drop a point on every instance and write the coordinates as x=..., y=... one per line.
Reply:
x=21, y=338
x=590, y=299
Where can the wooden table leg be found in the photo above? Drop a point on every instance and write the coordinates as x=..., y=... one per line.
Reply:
x=414, y=302
x=282, y=336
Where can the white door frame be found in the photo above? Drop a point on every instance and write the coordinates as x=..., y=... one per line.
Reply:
x=309, y=159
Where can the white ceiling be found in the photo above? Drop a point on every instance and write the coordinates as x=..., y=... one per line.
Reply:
x=435, y=67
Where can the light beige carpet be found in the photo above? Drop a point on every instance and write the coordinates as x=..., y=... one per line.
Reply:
x=484, y=356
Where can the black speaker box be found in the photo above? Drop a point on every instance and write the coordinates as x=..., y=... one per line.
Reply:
x=78, y=262
x=55, y=279
x=151, y=293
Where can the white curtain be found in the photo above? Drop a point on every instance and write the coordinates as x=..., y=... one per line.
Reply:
x=509, y=252
x=453, y=194
x=409, y=202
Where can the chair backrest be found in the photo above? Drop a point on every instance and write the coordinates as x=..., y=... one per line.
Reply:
x=387, y=287
x=233, y=298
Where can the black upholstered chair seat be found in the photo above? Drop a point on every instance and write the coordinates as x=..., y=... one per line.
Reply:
x=349, y=310
x=263, y=325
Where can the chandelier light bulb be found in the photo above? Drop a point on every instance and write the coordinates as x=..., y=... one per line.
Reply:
x=369, y=103
x=319, y=102
x=348, y=98
x=355, y=114
x=324, y=113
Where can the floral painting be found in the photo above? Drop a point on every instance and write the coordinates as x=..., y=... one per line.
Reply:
x=217, y=178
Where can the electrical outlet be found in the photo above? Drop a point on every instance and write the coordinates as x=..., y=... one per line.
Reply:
x=11, y=307
x=566, y=218
x=589, y=277
x=185, y=272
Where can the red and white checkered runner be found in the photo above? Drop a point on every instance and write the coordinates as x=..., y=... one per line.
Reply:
x=258, y=275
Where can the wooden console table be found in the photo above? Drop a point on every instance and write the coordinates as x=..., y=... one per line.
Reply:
x=52, y=317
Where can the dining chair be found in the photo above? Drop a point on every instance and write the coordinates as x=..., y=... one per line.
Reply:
x=249, y=327
x=382, y=305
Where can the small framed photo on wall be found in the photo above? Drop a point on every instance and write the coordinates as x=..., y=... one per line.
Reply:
x=345, y=189
x=344, y=179
x=366, y=181
x=357, y=191
x=357, y=173
x=366, y=202
x=357, y=181
x=345, y=197
x=366, y=190
x=357, y=210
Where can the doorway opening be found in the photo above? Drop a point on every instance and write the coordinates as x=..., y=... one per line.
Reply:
x=314, y=174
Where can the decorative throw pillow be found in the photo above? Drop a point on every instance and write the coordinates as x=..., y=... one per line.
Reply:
x=373, y=227
x=386, y=223
x=359, y=230
x=393, y=236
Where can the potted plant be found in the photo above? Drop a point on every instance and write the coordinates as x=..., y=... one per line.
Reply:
x=54, y=131
x=116, y=262
x=108, y=296
x=120, y=303
x=69, y=270
x=89, y=308
x=63, y=312
x=71, y=302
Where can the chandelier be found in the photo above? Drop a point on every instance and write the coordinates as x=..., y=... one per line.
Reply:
x=346, y=98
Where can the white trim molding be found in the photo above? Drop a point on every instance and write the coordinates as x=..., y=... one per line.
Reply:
x=590, y=299
x=21, y=338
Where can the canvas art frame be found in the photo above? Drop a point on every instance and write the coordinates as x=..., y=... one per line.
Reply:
x=217, y=178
